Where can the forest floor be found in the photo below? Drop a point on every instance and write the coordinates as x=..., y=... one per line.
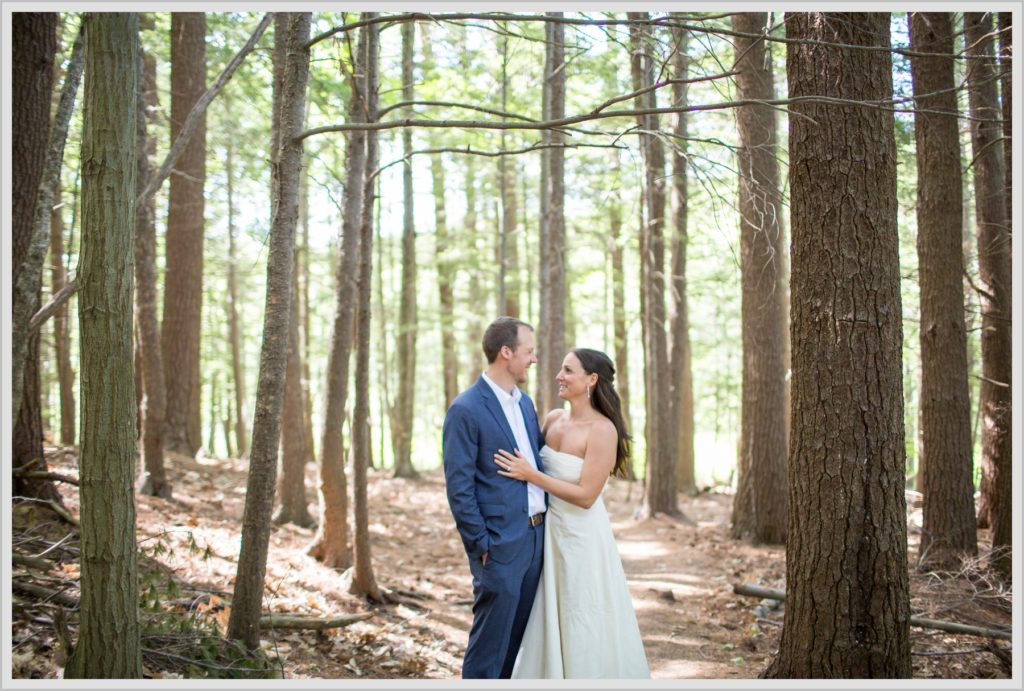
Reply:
x=681, y=576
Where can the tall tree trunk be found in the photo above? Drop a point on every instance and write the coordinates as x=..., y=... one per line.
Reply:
x=1005, y=26
x=443, y=254
x=363, y=581
x=234, y=333
x=477, y=319
x=330, y=545
x=34, y=44
x=847, y=603
x=183, y=281
x=259, y=498
x=61, y=333
x=509, y=262
x=680, y=358
x=552, y=248
x=616, y=248
x=108, y=645
x=949, y=530
x=403, y=409
x=546, y=389
x=153, y=476
x=994, y=270
x=295, y=450
x=760, y=510
x=660, y=437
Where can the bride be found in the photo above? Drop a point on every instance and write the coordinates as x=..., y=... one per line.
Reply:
x=582, y=624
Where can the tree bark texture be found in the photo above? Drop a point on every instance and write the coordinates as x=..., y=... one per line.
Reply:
x=1005, y=26
x=243, y=624
x=403, y=409
x=295, y=450
x=108, y=645
x=847, y=609
x=994, y=272
x=330, y=545
x=363, y=581
x=183, y=277
x=553, y=252
x=33, y=46
x=509, y=242
x=949, y=531
x=153, y=479
x=680, y=355
x=660, y=433
x=760, y=509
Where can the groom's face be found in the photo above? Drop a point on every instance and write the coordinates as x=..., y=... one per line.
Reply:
x=523, y=356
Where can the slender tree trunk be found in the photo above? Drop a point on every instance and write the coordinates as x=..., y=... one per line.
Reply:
x=295, y=450
x=403, y=409
x=547, y=361
x=552, y=252
x=330, y=545
x=616, y=244
x=363, y=581
x=760, y=509
x=234, y=335
x=994, y=270
x=949, y=530
x=61, y=333
x=152, y=479
x=660, y=438
x=847, y=604
x=477, y=320
x=680, y=358
x=108, y=645
x=243, y=624
x=509, y=288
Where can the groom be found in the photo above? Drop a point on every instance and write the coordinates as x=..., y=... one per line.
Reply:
x=500, y=519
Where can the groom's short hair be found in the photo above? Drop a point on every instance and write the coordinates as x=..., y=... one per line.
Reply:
x=503, y=331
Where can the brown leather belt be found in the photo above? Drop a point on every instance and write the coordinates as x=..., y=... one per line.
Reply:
x=536, y=519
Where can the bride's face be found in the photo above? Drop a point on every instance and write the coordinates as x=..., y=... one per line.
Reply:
x=572, y=379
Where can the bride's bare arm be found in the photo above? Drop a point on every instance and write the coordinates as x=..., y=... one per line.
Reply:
x=597, y=466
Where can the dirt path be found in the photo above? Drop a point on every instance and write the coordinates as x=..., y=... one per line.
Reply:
x=680, y=576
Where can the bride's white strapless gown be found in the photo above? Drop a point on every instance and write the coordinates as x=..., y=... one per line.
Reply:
x=582, y=624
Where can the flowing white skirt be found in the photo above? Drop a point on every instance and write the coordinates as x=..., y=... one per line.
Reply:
x=582, y=624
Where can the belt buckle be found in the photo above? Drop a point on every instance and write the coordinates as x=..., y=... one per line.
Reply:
x=536, y=519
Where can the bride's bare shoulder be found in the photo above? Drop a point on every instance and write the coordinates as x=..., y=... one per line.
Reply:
x=553, y=417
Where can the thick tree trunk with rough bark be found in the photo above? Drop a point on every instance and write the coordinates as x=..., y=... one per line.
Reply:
x=259, y=498
x=994, y=270
x=949, y=531
x=152, y=479
x=847, y=605
x=108, y=645
x=760, y=510
x=183, y=282
x=330, y=545
x=403, y=409
x=363, y=581
x=34, y=44
x=660, y=432
x=680, y=357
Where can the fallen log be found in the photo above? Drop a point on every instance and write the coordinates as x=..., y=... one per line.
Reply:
x=920, y=622
x=283, y=621
x=46, y=594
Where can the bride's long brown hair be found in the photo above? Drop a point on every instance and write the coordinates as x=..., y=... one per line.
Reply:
x=605, y=400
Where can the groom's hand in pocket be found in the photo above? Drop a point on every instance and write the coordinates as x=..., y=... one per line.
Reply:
x=483, y=558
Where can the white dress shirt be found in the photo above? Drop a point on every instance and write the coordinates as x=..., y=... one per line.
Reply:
x=514, y=414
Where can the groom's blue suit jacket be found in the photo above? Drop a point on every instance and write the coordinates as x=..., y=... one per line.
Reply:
x=490, y=510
